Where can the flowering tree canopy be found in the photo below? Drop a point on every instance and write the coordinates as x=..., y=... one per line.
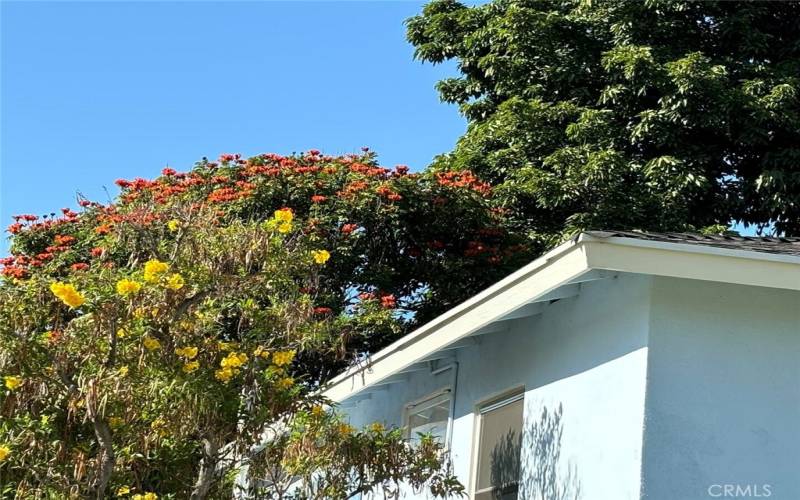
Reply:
x=150, y=347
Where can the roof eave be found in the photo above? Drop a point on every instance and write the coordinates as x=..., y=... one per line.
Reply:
x=555, y=268
x=564, y=265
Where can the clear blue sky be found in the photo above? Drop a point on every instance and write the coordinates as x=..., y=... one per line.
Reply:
x=96, y=91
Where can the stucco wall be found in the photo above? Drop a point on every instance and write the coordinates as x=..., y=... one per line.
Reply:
x=583, y=361
x=723, y=397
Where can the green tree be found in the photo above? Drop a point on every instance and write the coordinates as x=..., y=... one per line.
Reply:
x=655, y=115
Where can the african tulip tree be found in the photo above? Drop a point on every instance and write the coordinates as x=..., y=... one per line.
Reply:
x=148, y=347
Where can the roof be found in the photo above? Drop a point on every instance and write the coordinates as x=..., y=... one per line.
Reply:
x=560, y=273
x=782, y=245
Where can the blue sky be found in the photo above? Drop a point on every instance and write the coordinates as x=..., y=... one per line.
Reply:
x=95, y=91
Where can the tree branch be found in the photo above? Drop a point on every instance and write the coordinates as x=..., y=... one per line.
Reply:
x=112, y=342
x=107, y=457
x=205, y=475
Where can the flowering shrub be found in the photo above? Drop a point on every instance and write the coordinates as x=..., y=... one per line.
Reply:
x=161, y=337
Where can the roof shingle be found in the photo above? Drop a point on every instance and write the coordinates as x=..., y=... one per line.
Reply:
x=780, y=245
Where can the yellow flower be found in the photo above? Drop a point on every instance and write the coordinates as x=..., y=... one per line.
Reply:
x=224, y=374
x=281, y=358
x=175, y=282
x=123, y=371
x=376, y=427
x=68, y=294
x=115, y=422
x=317, y=411
x=123, y=490
x=121, y=333
x=12, y=382
x=146, y=496
x=187, y=352
x=127, y=287
x=233, y=360
x=345, y=429
x=173, y=225
x=159, y=426
x=151, y=344
x=261, y=352
x=191, y=366
x=284, y=215
x=225, y=346
x=241, y=358
x=286, y=382
x=285, y=227
x=5, y=451
x=320, y=256
x=153, y=269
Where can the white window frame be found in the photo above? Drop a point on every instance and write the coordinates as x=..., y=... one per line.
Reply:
x=505, y=398
x=411, y=405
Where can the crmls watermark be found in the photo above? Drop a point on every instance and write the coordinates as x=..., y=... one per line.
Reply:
x=740, y=490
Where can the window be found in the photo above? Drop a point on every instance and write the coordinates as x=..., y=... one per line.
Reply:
x=498, y=453
x=429, y=416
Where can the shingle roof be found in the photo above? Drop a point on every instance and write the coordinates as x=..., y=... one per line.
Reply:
x=781, y=245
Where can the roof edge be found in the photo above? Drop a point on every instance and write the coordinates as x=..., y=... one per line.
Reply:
x=568, y=261
x=541, y=276
x=594, y=236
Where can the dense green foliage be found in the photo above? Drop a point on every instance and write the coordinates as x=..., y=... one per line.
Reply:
x=654, y=115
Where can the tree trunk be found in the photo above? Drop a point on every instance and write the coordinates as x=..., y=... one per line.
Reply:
x=107, y=458
x=205, y=475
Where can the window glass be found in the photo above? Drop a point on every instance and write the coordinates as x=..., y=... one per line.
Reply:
x=499, y=446
x=430, y=416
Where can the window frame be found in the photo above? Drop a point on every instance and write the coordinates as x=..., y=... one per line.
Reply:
x=506, y=397
x=411, y=405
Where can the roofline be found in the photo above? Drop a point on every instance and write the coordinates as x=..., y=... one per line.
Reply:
x=467, y=317
x=558, y=267
x=692, y=248
x=688, y=261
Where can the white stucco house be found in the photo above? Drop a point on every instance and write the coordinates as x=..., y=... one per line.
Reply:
x=618, y=366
